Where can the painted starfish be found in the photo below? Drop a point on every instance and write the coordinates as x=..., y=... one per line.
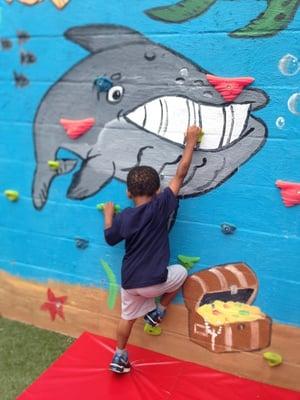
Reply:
x=275, y=18
x=58, y=3
x=54, y=305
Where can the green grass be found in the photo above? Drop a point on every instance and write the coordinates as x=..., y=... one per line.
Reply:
x=25, y=352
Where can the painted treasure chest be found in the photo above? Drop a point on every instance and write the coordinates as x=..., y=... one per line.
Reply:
x=221, y=317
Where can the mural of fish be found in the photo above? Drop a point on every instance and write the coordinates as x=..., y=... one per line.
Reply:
x=58, y=3
x=141, y=120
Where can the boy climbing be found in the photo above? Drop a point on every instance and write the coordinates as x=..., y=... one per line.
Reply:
x=145, y=271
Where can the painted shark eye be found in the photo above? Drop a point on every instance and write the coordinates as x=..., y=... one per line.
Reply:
x=115, y=94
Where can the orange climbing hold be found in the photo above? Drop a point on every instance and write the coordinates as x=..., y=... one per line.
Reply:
x=229, y=88
x=77, y=127
x=290, y=192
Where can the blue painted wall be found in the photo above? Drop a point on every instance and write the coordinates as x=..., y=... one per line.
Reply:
x=41, y=244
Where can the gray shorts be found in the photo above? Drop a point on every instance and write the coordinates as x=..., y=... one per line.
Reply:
x=138, y=302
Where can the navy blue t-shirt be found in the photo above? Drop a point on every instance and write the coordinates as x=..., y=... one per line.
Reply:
x=145, y=230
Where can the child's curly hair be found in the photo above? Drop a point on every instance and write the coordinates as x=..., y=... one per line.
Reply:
x=142, y=181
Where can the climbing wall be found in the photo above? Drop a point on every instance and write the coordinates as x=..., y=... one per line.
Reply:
x=87, y=93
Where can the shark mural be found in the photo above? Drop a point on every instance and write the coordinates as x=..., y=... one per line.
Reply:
x=155, y=95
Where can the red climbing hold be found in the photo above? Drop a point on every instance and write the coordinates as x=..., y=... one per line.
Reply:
x=290, y=192
x=77, y=127
x=229, y=88
x=54, y=305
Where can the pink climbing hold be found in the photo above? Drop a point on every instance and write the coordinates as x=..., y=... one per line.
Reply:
x=290, y=192
x=229, y=88
x=77, y=127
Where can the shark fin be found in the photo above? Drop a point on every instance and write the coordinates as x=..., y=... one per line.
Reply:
x=96, y=38
x=94, y=173
x=66, y=166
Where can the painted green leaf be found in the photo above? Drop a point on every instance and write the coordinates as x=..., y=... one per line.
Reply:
x=113, y=288
x=181, y=11
x=274, y=19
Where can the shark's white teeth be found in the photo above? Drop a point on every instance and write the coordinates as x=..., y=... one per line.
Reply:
x=170, y=116
x=212, y=126
x=172, y=127
x=240, y=116
x=138, y=116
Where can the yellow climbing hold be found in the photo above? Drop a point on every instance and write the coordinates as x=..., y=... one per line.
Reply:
x=53, y=164
x=12, y=195
x=152, y=330
x=272, y=358
x=200, y=136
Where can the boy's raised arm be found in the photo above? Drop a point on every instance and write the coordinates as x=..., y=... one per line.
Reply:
x=112, y=228
x=185, y=162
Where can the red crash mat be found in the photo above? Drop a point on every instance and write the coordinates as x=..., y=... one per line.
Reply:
x=81, y=373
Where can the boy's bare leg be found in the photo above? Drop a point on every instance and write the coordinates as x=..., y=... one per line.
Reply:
x=166, y=298
x=123, y=332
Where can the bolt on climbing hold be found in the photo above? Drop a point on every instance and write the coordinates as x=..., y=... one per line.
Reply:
x=54, y=164
x=81, y=243
x=200, y=136
x=290, y=192
x=12, y=195
x=100, y=207
x=152, y=330
x=228, y=229
x=272, y=358
x=187, y=261
x=103, y=84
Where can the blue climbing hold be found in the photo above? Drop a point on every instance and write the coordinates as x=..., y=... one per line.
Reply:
x=81, y=243
x=228, y=229
x=103, y=84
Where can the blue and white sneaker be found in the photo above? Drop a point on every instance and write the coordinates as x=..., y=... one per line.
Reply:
x=120, y=364
x=154, y=317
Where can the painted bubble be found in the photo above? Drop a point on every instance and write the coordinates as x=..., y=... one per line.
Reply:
x=294, y=103
x=289, y=65
x=280, y=122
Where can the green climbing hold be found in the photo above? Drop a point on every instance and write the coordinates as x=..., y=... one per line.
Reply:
x=152, y=330
x=54, y=164
x=113, y=288
x=187, y=261
x=272, y=358
x=100, y=207
x=12, y=195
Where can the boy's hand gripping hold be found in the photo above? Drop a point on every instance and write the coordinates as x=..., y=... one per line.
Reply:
x=109, y=212
x=191, y=140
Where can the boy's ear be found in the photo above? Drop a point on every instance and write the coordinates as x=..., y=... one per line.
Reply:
x=129, y=195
